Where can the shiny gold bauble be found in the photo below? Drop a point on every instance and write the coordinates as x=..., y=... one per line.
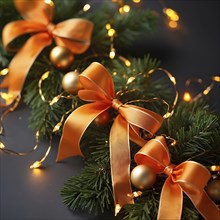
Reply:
x=102, y=119
x=143, y=177
x=213, y=190
x=61, y=57
x=71, y=83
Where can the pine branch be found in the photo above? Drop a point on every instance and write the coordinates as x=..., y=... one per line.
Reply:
x=91, y=190
x=197, y=131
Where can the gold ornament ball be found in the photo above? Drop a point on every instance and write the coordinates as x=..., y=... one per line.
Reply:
x=143, y=177
x=71, y=83
x=102, y=119
x=213, y=189
x=61, y=57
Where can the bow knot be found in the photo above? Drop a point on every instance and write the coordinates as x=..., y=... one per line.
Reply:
x=116, y=104
x=169, y=169
x=50, y=28
x=73, y=34
x=99, y=89
x=189, y=177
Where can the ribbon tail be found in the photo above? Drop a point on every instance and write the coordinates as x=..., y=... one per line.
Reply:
x=120, y=162
x=135, y=137
x=205, y=206
x=4, y=83
x=74, y=127
x=170, y=206
x=22, y=62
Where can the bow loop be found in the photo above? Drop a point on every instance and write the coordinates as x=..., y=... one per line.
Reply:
x=99, y=88
x=189, y=177
x=149, y=155
x=96, y=77
x=73, y=34
x=36, y=10
x=16, y=29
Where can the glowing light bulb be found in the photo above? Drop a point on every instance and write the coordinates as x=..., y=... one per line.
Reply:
x=173, y=80
x=4, y=72
x=108, y=26
x=117, y=209
x=187, y=97
x=127, y=62
x=45, y=75
x=173, y=24
x=111, y=32
x=130, y=80
x=57, y=127
x=49, y=2
x=2, y=146
x=35, y=165
x=112, y=53
x=136, y=1
x=124, y=9
x=216, y=78
x=86, y=7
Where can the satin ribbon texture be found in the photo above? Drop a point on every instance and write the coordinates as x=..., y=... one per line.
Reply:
x=74, y=34
x=189, y=177
x=99, y=89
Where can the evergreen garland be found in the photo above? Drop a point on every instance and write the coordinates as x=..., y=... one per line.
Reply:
x=197, y=132
x=194, y=126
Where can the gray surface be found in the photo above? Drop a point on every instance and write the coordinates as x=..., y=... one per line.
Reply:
x=194, y=50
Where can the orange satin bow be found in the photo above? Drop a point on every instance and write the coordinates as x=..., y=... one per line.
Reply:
x=99, y=89
x=189, y=177
x=74, y=34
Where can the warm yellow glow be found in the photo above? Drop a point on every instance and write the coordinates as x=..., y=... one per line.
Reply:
x=108, y=26
x=216, y=78
x=173, y=24
x=187, y=97
x=4, y=72
x=174, y=18
x=55, y=100
x=112, y=53
x=117, y=209
x=127, y=62
x=124, y=9
x=37, y=172
x=215, y=168
x=8, y=97
x=173, y=80
x=45, y=75
x=35, y=165
x=136, y=1
x=57, y=127
x=111, y=32
x=169, y=12
x=130, y=80
x=49, y=2
x=86, y=7
x=206, y=91
x=2, y=146
x=114, y=73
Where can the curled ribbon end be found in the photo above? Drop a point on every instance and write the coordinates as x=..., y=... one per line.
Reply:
x=117, y=209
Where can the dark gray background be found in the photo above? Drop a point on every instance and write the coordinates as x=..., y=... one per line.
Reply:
x=191, y=51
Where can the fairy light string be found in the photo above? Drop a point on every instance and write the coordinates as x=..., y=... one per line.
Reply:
x=187, y=97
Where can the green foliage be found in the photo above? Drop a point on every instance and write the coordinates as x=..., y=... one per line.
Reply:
x=52, y=86
x=197, y=130
x=199, y=142
x=91, y=191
